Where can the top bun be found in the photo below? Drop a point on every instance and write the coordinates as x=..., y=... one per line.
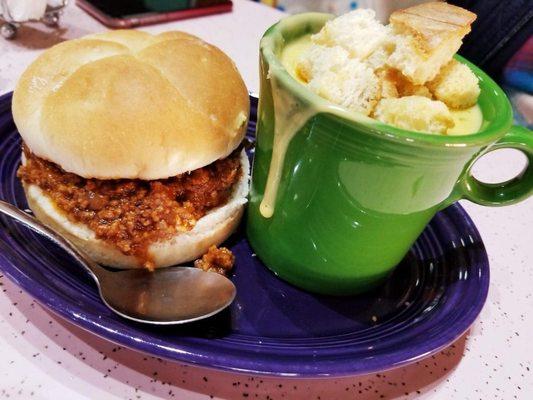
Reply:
x=127, y=104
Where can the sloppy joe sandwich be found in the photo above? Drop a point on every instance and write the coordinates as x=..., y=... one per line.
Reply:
x=132, y=145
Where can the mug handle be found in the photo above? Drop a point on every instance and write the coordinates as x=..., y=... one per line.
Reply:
x=509, y=192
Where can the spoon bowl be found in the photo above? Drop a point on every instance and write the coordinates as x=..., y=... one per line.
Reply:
x=154, y=297
x=166, y=296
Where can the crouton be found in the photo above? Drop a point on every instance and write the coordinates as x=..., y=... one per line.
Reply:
x=426, y=38
x=317, y=59
x=415, y=113
x=456, y=85
x=387, y=77
x=378, y=58
x=357, y=32
x=403, y=86
x=346, y=81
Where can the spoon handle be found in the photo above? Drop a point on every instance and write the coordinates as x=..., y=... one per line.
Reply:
x=31, y=222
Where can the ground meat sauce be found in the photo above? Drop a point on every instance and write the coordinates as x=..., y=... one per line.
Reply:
x=217, y=259
x=130, y=213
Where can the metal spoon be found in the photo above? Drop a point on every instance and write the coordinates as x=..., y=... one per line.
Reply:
x=165, y=296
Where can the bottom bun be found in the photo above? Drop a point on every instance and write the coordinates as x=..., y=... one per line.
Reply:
x=211, y=229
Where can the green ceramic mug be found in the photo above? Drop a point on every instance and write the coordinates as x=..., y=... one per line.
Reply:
x=354, y=194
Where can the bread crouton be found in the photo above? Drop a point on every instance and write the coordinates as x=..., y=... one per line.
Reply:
x=426, y=38
x=456, y=85
x=345, y=81
x=387, y=77
x=415, y=113
x=317, y=59
x=357, y=32
x=403, y=86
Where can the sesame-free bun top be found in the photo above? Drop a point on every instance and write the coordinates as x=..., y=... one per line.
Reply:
x=128, y=104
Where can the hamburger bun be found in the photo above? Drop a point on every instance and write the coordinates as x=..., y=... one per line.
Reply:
x=213, y=228
x=127, y=104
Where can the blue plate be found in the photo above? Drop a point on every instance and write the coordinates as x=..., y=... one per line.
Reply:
x=272, y=328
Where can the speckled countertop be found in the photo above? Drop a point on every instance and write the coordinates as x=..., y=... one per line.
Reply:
x=44, y=357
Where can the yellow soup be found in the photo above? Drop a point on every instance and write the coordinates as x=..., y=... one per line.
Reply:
x=466, y=121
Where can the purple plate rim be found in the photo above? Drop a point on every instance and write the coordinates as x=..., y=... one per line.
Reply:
x=80, y=317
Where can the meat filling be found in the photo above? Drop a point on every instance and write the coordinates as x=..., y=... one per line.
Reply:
x=217, y=259
x=131, y=214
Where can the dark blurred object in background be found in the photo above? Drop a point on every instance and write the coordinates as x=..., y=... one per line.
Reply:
x=133, y=13
x=501, y=28
x=519, y=70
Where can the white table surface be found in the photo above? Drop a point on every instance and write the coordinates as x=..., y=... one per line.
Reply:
x=43, y=357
